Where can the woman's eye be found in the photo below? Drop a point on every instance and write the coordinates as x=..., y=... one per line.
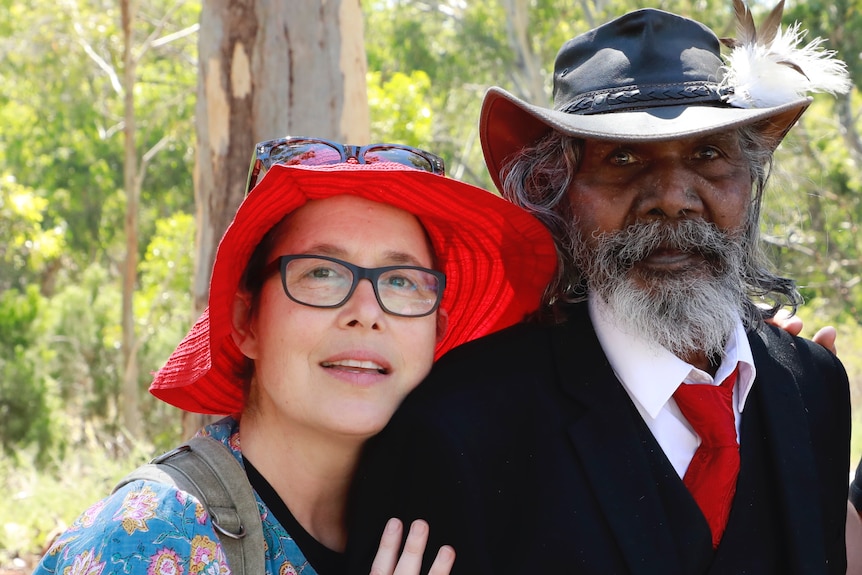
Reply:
x=322, y=273
x=400, y=283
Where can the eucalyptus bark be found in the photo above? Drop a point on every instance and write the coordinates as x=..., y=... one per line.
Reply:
x=129, y=404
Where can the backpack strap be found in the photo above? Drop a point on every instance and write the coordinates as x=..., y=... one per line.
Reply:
x=208, y=470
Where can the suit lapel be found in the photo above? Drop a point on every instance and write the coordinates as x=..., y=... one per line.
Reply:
x=785, y=428
x=615, y=459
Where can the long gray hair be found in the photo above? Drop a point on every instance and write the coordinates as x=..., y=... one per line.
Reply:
x=538, y=180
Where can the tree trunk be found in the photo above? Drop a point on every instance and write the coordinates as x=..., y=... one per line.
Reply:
x=268, y=68
x=527, y=76
x=129, y=406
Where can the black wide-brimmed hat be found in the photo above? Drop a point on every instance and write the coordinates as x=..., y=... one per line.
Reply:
x=652, y=76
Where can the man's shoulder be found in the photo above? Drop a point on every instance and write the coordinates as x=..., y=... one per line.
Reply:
x=516, y=362
x=528, y=346
x=815, y=372
x=791, y=349
x=521, y=341
x=478, y=389
x=517, y=338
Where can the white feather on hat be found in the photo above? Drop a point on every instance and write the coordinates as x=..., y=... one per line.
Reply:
x=772, y=67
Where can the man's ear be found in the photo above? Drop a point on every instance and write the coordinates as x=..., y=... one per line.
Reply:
x=242, y=319
x=442, y=323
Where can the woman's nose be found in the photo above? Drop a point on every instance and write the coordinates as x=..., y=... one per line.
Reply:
x=362, y=309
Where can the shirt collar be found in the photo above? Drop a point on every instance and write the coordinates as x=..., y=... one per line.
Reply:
x=629, y=353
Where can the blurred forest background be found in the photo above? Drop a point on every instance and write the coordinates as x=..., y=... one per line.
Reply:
x=100, y=220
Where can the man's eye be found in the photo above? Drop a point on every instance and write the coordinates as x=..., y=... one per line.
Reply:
x=621, y=157
x=708, y=153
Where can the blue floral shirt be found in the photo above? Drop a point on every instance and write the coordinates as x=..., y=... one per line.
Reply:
x=155, y=529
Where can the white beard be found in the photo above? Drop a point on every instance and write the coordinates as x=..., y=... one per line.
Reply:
x=689, y=312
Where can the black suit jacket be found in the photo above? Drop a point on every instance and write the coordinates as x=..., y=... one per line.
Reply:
x=524, y=452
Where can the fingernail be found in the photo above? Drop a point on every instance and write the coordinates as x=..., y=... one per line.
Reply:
x=391, y=525
x=419, y=527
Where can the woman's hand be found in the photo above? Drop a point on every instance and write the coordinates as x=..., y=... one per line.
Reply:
x=825, y=336
x=387, y=561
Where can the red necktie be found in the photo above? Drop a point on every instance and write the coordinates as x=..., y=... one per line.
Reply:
x=711, y=475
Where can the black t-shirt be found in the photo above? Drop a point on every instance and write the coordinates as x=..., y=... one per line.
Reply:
x=324, y=560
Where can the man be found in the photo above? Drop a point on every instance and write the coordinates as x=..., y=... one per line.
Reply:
x=576, y=443
x=854, y=525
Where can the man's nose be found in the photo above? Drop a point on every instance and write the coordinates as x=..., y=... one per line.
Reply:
x=670, y=190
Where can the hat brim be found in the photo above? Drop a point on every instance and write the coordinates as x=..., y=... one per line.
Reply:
x=497, y=259
x=507, y=124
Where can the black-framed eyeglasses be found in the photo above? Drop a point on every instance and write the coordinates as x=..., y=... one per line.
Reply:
x=321, y=281
x=319, y=152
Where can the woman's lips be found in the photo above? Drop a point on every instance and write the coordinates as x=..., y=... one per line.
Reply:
x=355, y=366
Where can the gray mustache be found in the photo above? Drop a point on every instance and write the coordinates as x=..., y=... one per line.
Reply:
x=636, y=242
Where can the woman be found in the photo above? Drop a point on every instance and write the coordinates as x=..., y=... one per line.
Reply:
x=308, y=360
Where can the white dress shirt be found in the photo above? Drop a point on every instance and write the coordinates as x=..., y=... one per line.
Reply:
x=650, y=375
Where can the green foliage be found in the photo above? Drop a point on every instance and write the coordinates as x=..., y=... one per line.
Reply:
x=26, y=247
x=400, y=107
x=24, y=417
x=838, y=21
x=36, y=504
x=164, y=312
x=812, y=214
x=62, y=202
x=82, y=360
x=28, y=253
x=62, y=116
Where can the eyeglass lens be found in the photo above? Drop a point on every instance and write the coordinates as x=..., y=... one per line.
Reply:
x=399, y=156
x=322, y=282
x=305, y=153
x=320, y=153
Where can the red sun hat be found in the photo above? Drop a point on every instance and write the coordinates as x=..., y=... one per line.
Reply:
x=497, y=259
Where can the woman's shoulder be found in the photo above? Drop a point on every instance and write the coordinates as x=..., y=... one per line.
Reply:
x=143, y=527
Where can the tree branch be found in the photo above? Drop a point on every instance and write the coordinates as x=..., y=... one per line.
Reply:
x=100, y=62
x=176, y=36
x=157, y=30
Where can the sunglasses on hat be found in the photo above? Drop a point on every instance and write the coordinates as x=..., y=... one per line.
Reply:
x=319, y=152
